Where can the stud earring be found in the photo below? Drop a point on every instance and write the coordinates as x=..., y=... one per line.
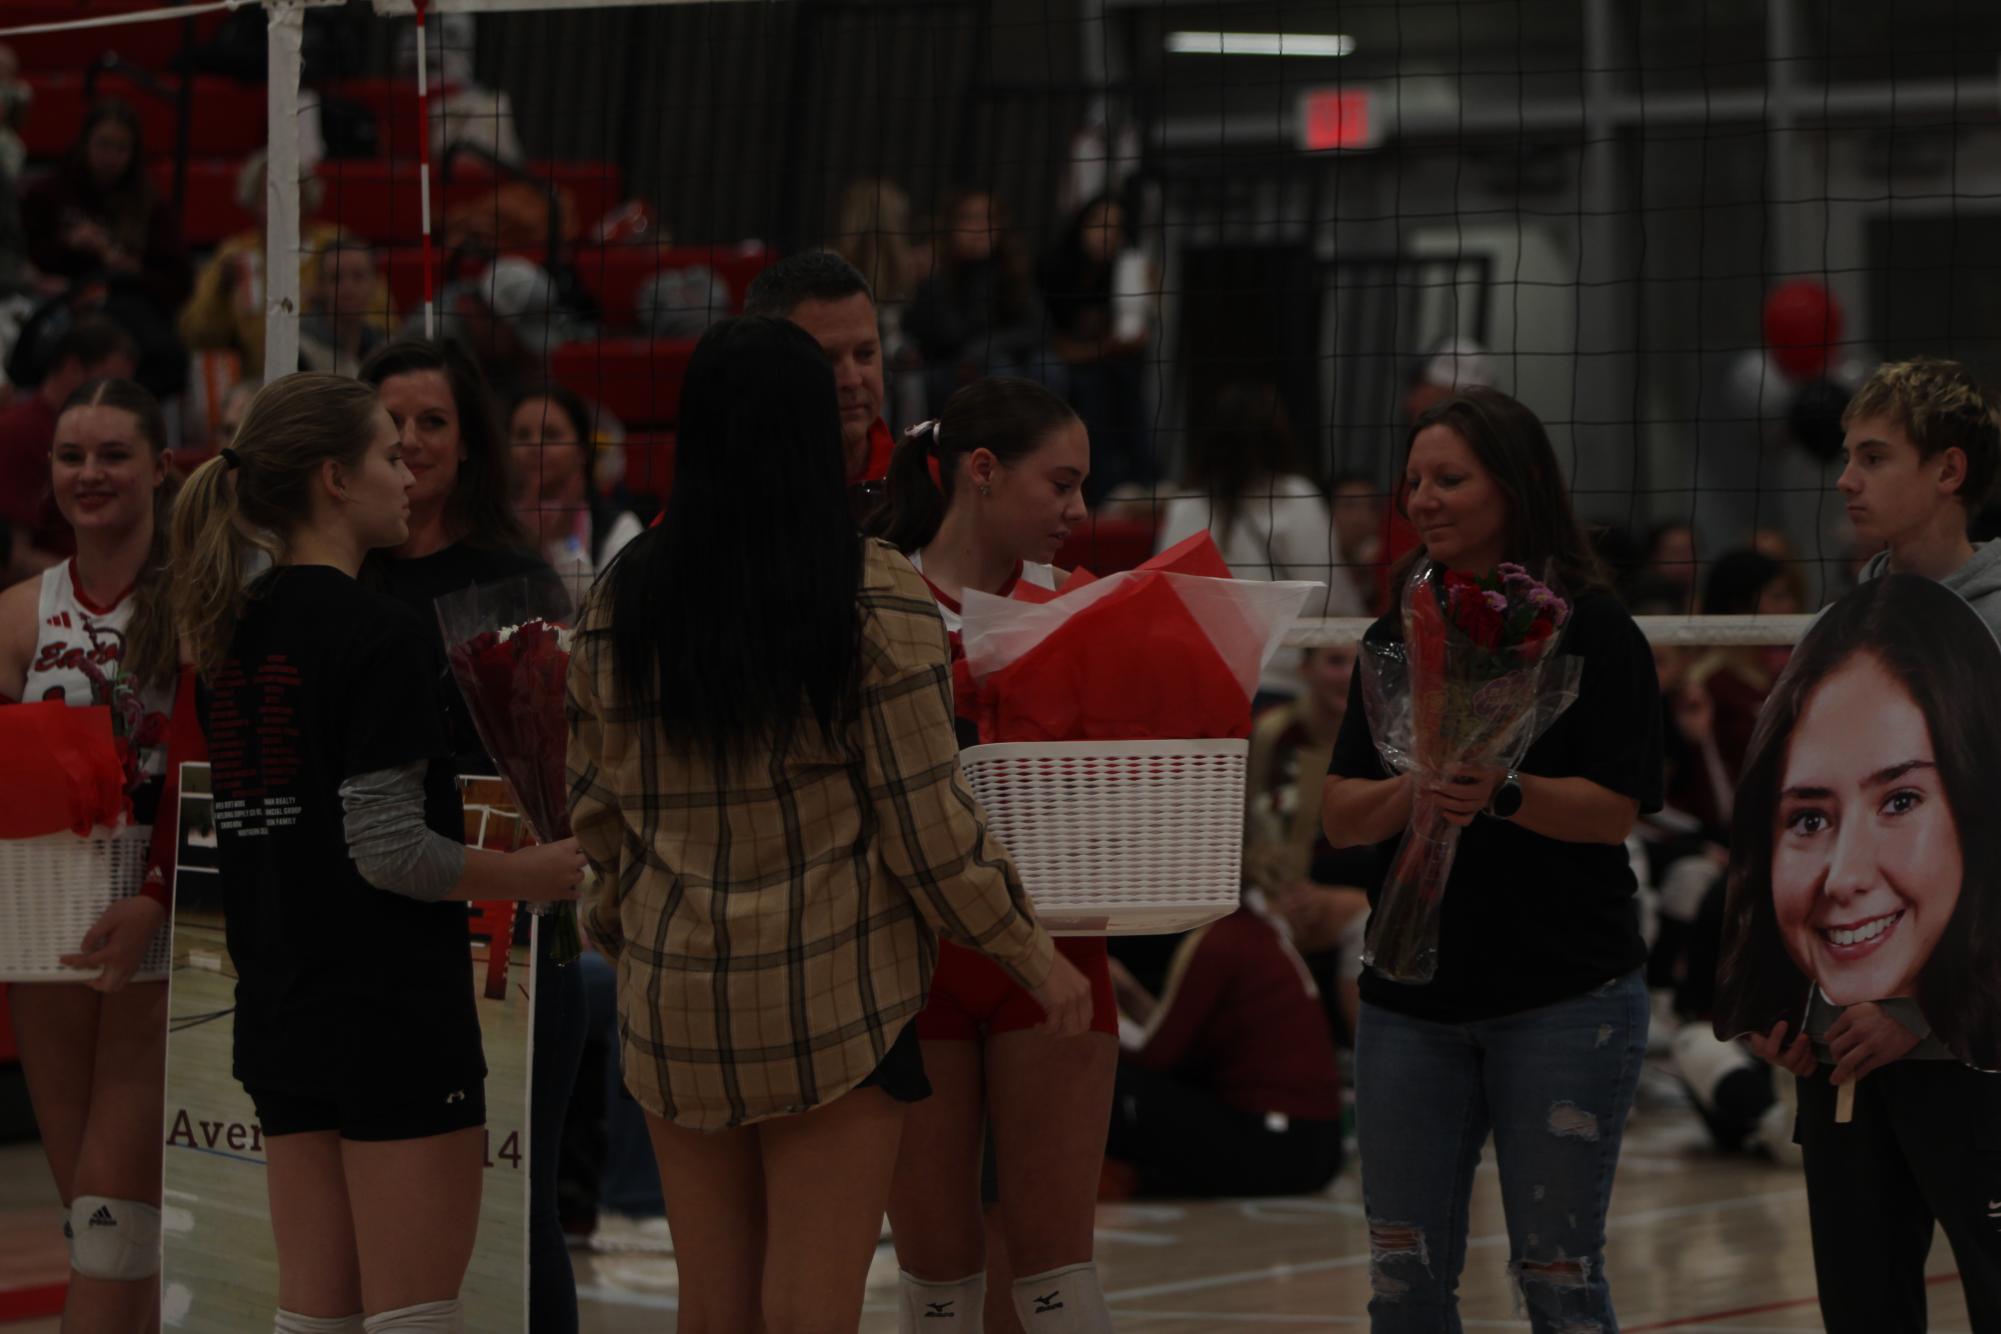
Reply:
x=986, y=489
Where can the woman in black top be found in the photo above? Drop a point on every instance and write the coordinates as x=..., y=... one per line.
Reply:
x=464, y=531
x=342, y=870
x=1535, y=1025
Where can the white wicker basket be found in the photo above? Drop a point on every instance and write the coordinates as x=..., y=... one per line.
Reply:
x=1118, y=838
x=52, y=891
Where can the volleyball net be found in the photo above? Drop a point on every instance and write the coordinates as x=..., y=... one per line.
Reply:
x=1681, y=234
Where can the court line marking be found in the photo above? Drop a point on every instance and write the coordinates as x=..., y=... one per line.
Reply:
x=1283, y=1271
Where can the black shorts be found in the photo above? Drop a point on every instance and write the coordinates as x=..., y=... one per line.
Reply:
x=900, y=1073
x=372, y=1116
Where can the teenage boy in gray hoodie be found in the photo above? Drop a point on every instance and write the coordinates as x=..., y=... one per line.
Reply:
x=1922, y=447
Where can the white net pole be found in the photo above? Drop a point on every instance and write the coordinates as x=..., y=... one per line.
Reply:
x=281, y=190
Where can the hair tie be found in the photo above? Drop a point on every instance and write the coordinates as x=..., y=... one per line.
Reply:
x=231, y=459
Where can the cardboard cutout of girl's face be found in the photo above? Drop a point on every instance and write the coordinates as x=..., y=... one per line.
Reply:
x=1861, y=869
x=1866, y=862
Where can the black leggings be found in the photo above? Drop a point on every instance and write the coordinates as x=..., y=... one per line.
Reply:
x=1185, y=1140
x=1924, y=1148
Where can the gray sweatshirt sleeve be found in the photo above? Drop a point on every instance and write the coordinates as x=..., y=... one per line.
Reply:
x=391, y=845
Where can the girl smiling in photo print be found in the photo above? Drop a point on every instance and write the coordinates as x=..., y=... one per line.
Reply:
x=1860, y=942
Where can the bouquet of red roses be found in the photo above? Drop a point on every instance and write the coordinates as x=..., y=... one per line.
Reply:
x=1475, y=682
x=508, y=644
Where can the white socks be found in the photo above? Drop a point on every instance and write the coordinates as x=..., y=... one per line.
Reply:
x=428, y=1318
x=1062, y=1301
x=290, y=1322
x=941, y=1308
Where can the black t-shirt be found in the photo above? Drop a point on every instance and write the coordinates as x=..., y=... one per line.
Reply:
x=338, y=983
x=418, y=583
x=1529, y=920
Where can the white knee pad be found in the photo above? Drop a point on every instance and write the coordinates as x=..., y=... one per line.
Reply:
x=1062, y=1301
x=427, y=1318
x=957, y=1307
x=115, y=1239
x=291, y=1322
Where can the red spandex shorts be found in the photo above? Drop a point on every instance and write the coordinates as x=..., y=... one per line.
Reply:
x=972, y=997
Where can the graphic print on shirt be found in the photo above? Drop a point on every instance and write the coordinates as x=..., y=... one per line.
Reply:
x=255, y=752
x=79, y=659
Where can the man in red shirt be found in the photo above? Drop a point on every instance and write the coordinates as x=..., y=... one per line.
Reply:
x=92, y=349
x=828, y=298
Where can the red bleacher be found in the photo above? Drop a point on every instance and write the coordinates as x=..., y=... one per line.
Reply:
x=225, y=117
x=147, y=45
x=637, y=378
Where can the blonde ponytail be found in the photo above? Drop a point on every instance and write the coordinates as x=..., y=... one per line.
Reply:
x=248, y=499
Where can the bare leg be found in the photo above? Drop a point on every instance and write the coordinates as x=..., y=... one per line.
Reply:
x=416, y=1213
x=319, y=1272
x=934, y=1205
x=1051, y=1101
x=714, y=1189
x=827, y=1177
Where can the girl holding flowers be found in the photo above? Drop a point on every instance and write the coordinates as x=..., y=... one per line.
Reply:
x=1534, y=1025
x=342, y=870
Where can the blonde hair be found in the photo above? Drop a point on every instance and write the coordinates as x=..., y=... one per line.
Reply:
x=1940, y=406
x=251, y=497
x=150, y=655
x=250, y=186
x=872, y=232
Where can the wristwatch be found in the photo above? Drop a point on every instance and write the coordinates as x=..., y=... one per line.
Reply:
x=1507, y=799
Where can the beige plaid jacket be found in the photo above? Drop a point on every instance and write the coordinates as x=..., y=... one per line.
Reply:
x=774, y=937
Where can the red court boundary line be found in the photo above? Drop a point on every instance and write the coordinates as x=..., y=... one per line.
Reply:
x=1767, y=1308
x=28, y=1303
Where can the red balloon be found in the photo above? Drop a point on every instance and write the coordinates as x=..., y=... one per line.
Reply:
x=1802, y=322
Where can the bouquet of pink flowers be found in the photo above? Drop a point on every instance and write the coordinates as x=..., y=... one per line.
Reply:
x=508, y=644
x=1475, y=682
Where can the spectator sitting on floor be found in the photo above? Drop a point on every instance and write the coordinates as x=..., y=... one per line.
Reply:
x=1316, y=889
x=1232, y=1086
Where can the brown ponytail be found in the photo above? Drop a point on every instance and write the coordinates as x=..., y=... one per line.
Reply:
x=1008, y=418
x=248, y=499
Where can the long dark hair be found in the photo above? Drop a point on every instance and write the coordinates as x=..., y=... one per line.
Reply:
x=1072, y=280
x=1246, y=439
x=571, y=405
x=1008, y=418
x=125, y=205
x=739, y=608
x=1514, y=449
x=1947, y=660
x=480, y=512
x=151, y=654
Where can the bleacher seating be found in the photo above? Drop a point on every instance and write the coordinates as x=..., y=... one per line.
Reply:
x=637, y=378
x=147, y=45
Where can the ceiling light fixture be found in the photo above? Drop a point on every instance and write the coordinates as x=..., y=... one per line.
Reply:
x=1330, y=44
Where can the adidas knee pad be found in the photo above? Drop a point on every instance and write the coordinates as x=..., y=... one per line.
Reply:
x=425, y=1318
x=291, y=1322
x=1062, y=1301
x=114, y=1239
x=941, y=1308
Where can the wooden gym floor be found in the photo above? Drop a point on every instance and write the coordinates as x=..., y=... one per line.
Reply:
x=1699, y=1241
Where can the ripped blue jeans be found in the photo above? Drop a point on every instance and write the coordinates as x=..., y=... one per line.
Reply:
x=1554, y=1086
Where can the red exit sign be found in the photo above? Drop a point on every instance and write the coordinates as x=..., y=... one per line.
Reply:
x=1334, y=118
